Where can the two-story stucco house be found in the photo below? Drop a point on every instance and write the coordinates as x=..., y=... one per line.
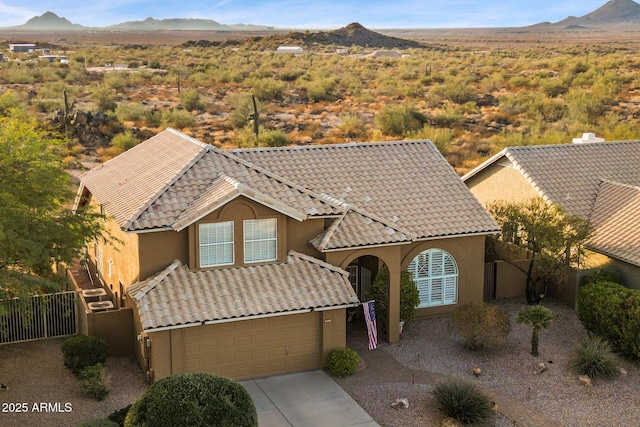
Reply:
x=244, y=262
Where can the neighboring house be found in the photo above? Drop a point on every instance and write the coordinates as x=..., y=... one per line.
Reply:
x=598, y=181
x=22, y=47
x=245, y=262
x=289, y=49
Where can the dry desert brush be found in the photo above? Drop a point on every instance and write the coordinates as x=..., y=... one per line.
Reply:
x=463, y=401
x=480, y=325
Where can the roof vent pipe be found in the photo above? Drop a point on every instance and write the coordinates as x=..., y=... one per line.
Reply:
x=586, y=138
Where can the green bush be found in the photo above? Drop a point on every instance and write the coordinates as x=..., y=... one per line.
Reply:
x=105, y=98
x=399, y=120
x=601, y=275
x=409, y=296
x=246, y=138
x=343, y=362
x=178, y=119
x=131, y=112
x=480, y=325
x=124, y=141
x=118, y=416
x=81, y=351
x=191, y=100
x=98, y=423
x=193, y=400
x=463, y=401
x=93, y=381
x=613, y=312
x=595, y=358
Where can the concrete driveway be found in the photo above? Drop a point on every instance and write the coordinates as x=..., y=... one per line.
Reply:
x=305, y=399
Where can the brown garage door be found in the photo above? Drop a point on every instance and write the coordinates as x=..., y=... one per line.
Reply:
x=254, y=348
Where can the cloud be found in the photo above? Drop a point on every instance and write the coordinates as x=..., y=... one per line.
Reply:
x=13, y=15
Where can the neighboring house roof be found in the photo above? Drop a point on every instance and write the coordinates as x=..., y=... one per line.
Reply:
x=616, y=222
x=569, y=175
x=596, y=181
x=379, y=193
x=405, y=185
x=178, y=297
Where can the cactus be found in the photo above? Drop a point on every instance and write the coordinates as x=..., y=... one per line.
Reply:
x=254, y=118
x=68, y=118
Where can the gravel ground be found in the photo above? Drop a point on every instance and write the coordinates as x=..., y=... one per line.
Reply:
x=556, y=393
x=35, y=375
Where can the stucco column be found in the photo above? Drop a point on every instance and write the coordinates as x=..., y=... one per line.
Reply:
x=394, y=301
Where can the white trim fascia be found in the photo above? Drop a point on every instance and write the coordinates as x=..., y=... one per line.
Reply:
x=482, y=166
x=259, y=316
x=351, y=248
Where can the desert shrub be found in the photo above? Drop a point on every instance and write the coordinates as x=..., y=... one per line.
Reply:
x=179, y=119
x=594, y=357
x=441, y=137
x=553, y=88
x=154, y=64
x=321, y=89
x=352, y=125
x=480, y=325
x=105, y=98
x=343, y=362
x=9, y=101
x=81, y=351
x=191, y=100
x=448, y=117
x=246, y=138
x=98, y=423
x=460, y=90
x=612, y=311
x=93, y=380
x=131, y=112
x=124, y=141
x=242, y=110
x=118, y=416
x=267, y=88
x=463, y=401
x=193, y=400
x=601, y=275
x=398, y=120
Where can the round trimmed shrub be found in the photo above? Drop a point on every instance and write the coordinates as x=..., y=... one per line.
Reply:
x=119, y=415
x=81, y=351
x=343, y=362
x=463, y=401
x=193, y=400
x=595, y=358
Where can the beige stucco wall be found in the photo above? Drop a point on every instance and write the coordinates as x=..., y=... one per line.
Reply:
x=498, y=182
x=161, y=248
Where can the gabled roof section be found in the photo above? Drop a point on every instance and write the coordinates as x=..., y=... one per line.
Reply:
x=615, y=220
x=569, y=175
x=178, y=297
x=405, y=183
x=129, y=183
x=171, y=180
x=355, y=229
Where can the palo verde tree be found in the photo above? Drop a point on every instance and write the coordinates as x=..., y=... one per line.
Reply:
x=555, y=240
x=38, y=226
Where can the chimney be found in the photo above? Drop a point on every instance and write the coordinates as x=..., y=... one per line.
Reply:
x=587, y=138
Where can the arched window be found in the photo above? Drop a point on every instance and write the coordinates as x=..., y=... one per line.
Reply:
x=436, y=275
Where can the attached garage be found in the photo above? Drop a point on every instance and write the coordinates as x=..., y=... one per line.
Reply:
x=254, y=348
x=205, y=321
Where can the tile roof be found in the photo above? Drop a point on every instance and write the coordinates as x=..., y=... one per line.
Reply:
x=172, y=180
x=178, y=297
x=616, y=222
x=569, y=175
x=407, y=184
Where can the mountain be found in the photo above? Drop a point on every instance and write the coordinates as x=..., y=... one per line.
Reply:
x=353, y=34
x=48, y=21
x=614, y=13
x=151, y=24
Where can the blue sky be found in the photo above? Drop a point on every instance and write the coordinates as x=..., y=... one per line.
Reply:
x=312, y=14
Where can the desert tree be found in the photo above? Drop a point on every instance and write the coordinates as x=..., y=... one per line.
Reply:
x=554, y=239
x=38, y=226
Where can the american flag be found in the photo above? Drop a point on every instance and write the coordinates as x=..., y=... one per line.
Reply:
x=370, y=318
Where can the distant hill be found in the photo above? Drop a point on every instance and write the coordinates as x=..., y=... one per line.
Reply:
x=353, y=34
x=613, y=14
x=183, y=24
x=49, y=21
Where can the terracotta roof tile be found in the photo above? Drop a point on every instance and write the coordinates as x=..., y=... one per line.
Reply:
x=178, y=297
x=616, y=222
x=407, y=183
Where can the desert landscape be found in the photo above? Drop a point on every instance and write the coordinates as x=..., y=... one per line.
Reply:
x=471, y=91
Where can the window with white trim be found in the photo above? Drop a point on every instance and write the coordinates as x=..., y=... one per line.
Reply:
x=260, y=240
x=436, y=275
x=216, y=244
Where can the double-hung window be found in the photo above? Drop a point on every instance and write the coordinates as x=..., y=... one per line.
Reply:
x=216, y=244
x=260, y=240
